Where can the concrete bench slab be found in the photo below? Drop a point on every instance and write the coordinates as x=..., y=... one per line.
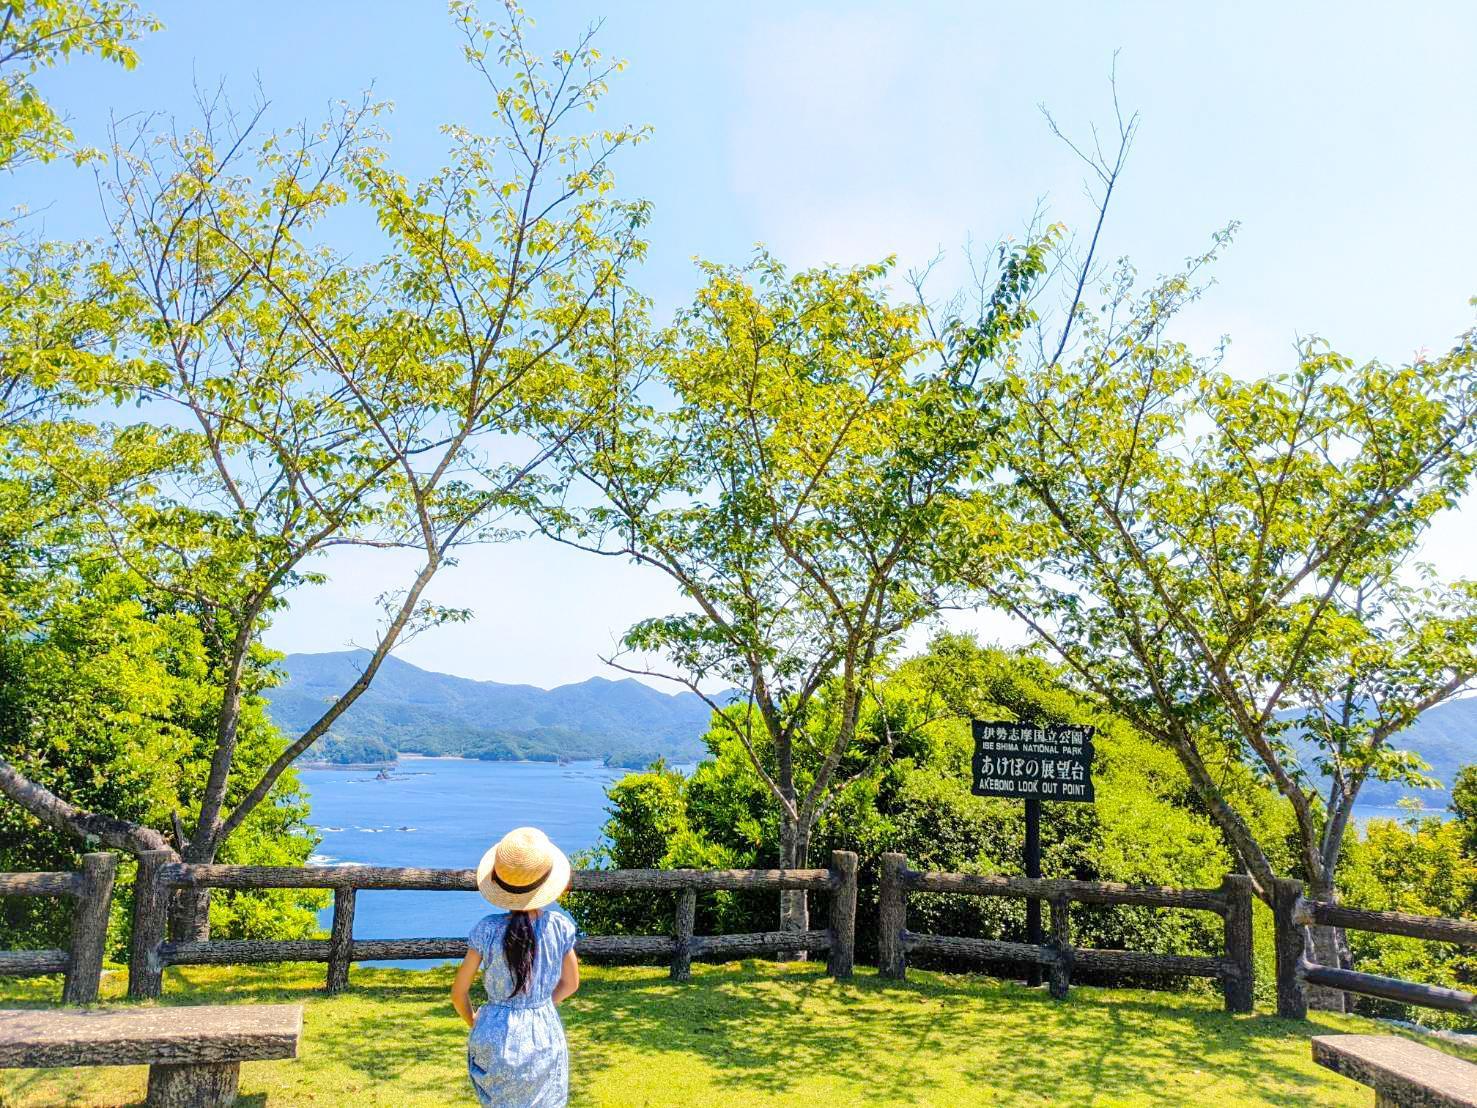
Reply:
x=194, y=1053
x=1403, y=1074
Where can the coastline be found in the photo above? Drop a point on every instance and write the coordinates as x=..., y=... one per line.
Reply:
x=344, y=765
x=390, y=764
x=406, y=757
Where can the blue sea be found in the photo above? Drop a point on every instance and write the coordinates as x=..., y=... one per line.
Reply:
x=444, y=813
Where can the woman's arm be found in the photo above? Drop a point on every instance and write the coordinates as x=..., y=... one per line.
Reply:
x=569, y=978
x=461, y=988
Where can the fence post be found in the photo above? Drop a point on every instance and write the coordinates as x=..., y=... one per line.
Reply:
x=1239, y=980
x=892, y=917
x=1060, y=979
x=341, y=938
x=90, y=929
x=843, y=914
x=1291, y=1001
x=682, y=933
x=150, y=916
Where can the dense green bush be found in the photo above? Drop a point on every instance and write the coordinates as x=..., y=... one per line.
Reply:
x=1145, y=827
x=1423, y=865
x=110, y=705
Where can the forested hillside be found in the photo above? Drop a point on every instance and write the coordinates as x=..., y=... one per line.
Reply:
x=414, y=711
x=1446, y=739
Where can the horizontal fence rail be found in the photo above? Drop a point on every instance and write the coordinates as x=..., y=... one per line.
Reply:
x=184, y=875
x=1084, y=892
x=91, y=893
x=1232, y=901
x=1296, y=970
x=160, y=876
x=1436, y=928
x=1390, y=988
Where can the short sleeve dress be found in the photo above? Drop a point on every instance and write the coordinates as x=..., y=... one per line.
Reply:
x=517, y=1056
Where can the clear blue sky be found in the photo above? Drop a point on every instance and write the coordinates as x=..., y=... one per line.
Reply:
x=1342, y=136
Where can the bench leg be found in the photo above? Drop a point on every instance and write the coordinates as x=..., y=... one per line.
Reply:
x=193, y=1086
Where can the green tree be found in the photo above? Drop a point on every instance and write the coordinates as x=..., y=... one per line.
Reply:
x=1230, y=565
x=1464, y=807
x=109, y=702
x=305, y=403
x=47, y=314
x=809, y=439
x=39, y=34
x=105, y=687
x=1417, y=864
x=54, y=321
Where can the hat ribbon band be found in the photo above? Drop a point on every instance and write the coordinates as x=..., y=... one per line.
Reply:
x=519, y=889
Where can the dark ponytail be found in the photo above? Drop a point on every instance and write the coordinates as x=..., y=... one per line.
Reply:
x=520, y=944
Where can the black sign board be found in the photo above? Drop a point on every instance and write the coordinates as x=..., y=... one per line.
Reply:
x=1028, y=761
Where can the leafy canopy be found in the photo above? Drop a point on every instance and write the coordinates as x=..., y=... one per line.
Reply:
x=40, y=34
x=788, y=452
x=1229, y=563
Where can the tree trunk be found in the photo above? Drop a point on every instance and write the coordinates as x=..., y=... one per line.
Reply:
x=93, y=828
x=189, y=916
x=189, y=909
x=1239, y=838
x=1326, y=947
x=794, y=905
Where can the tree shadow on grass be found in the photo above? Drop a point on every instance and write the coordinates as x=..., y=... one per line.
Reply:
x=752, y=1030
x=759, y=1028
x=900, y=1041
x=393, y=1030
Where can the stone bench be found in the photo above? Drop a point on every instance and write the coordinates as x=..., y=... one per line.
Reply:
x=1403, y=1074
x=194, y=1053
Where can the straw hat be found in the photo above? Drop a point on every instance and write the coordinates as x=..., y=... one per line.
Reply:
x=524, y=871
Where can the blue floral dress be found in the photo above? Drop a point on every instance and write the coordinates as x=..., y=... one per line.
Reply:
x=517, y=1056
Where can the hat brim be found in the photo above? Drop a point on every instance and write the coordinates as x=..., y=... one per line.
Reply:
x=550, y=889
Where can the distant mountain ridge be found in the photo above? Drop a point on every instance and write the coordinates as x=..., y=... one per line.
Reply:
x=1445, y=737
x=626, y=723
x=415, y=711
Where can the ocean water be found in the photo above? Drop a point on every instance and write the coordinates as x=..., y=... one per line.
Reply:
x=444, y=813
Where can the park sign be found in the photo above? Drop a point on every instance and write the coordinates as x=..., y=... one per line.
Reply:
x=1026, y=761
x=1032, y=762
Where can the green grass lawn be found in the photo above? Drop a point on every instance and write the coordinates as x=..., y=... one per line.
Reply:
x=753, y=1033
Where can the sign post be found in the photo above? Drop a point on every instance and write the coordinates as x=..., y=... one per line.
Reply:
x=1033, y=869
x=1033, y=763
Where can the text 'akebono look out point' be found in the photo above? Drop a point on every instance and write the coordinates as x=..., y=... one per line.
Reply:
x=1032, y=761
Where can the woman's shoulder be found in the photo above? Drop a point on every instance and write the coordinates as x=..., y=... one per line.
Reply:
x=561, y=922
x=488, y=925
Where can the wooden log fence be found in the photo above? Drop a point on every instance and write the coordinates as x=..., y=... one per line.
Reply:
x=91, y=893
x=1294, y=913
x=159, y=876
x=1232, y=901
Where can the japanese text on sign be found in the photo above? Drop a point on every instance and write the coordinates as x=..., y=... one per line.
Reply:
x=1031, y=761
